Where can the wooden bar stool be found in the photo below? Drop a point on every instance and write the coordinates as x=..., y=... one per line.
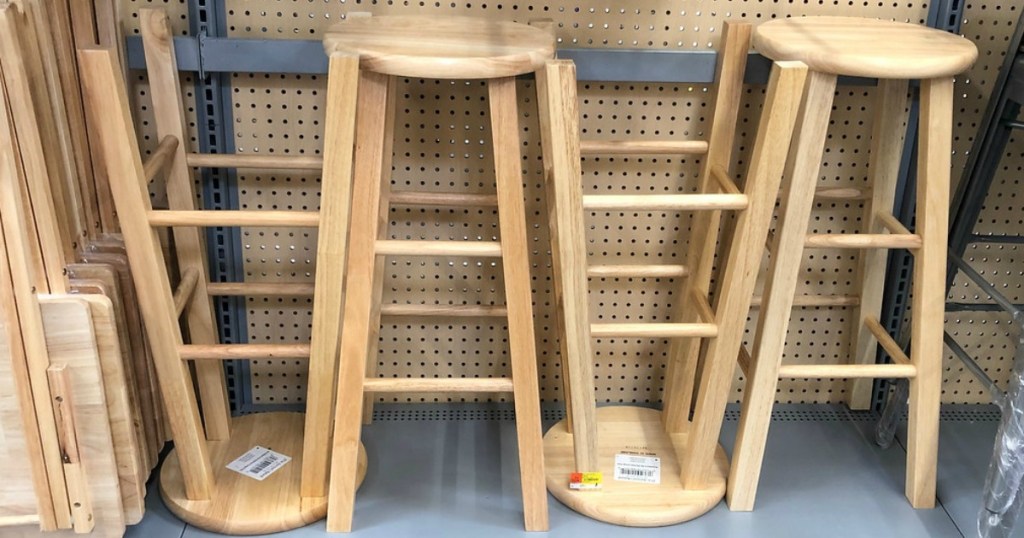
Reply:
x=893, y=53
x=434, y=48
x=661, y=468
x=195, y=482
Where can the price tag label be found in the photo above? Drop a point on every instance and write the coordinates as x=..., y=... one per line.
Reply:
x=585, y=481
x=637, y=468
x=258, y=462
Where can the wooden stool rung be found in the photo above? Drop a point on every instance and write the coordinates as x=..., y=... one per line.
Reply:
x=453, y=199
x=227, y=352
x=847, y=371
x=744, y=360
x=721, y=176
x=486, y=249
x=863, y=241
x=209, y=219
x=237, y=160
x=183, y=293
x=471, y=311
x=654, y=330
x=637, y=271
x=460, y=384
x=643, y=147
x=256, y=289
x=816, y=300
x=161, y=157
x=888, y=344
x=664, y=202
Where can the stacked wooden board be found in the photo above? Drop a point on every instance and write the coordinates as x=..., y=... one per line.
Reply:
x=81, y=423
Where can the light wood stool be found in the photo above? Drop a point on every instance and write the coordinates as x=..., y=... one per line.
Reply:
x=691, y=464
x=892, y=52
x=194, y=480
x=432, y=48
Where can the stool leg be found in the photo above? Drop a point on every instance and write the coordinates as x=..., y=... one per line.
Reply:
x=516, y=267
x=732, y=302
x=356, y=331
x=779, y=289
x=928, y=307
x=888, y=131
x=379, y=167
x=559, y=116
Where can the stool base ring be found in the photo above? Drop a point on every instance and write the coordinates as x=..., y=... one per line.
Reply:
x=636, y=430
x=242, y=505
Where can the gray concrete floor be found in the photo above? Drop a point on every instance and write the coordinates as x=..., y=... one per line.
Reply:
x=452, y=471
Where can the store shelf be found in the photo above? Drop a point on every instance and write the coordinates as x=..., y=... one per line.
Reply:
x=451, y=471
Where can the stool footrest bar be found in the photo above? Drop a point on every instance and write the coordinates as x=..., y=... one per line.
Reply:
x=910, y=242
x=664, y=202
x=243, y=351
x=487, y=249
x=637, y=271
x=654, y=330
x=472, y=311
x=461, y=384
x=453, y=199
x=847, y=371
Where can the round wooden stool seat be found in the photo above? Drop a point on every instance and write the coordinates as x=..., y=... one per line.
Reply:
x=442, y=47
x=865, y=47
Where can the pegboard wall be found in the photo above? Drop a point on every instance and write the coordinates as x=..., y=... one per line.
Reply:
x=443, y=144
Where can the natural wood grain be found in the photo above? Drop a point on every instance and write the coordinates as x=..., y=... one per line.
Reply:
x=682, y=363
x=67, y=432
x=27, y=276
x=516, y=270
x=335, y=207
x=240, y=160
x=632, y=429
x=779, y=290
x=888, y=129
x=863, y=47
x=169, y=112
x=131, y=471
x=928, y=302
x=441, y=47
x=243, y=505
x=663, y=202
x=71, y=340
x=106, y=94
x=643, y=147
x=487, y=249
x=359, y=271
x=560, y=133
x=732, y=300
x=209, y=219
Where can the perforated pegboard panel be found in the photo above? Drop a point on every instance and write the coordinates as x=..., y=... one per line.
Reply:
x=443, y=144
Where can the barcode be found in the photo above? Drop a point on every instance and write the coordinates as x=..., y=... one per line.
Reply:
x=645, y=473
x=269, y=460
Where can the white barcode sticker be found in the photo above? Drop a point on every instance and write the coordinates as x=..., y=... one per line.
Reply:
x=259, y=462
x=635, y=468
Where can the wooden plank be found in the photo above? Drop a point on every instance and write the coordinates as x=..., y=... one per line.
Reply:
x=71, y=341
x=681, y=367
x=74, y=473
x=359, y=270
x=332, y=245
x=137, y=355
x=169, y=112
x=929, y=294
x=516, y=270
x=106, y=94
x=779, y=290
x=887, y=133
x=27, y=276
x=24, y=492
x=732, y=299
x=131, y=469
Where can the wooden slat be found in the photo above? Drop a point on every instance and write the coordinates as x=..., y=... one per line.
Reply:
x=643, y=147
x=859, y=241
x=815, y=300
x=239, y=160
x=888, y=344
x=378, y=385
x=107, y=96
x=443, y=199
x=185, y=289
x=256, y=289
x=189, y=243
x=654, y=330
x=243, y=351
x=637, y=271
x=161, y=157
x=74, y=474
x=472, y=311
x=847, y=371
x=200, y=218
x=489, y=249
x=663, y=202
